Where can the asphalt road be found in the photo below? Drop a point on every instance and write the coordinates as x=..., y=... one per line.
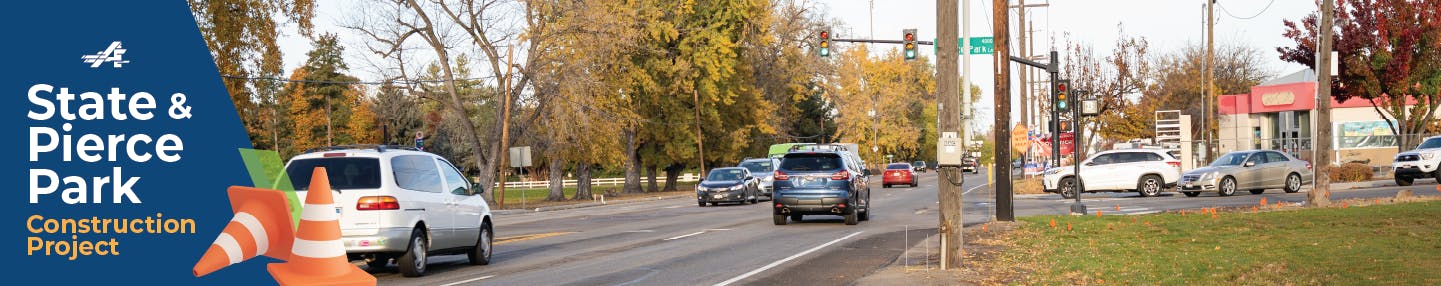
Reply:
x=674, y=242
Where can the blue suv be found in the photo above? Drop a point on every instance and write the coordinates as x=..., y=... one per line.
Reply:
x=820, y=183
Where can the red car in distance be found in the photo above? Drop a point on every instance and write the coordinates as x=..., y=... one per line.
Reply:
x=898, y=174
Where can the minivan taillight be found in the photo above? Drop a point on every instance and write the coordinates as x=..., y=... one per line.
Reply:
x=1174, y=164
x=781, y=176
x=842, y=175
x=375, y=203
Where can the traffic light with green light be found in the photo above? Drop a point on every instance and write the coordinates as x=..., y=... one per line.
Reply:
x=1063, y=96
x=910, y=43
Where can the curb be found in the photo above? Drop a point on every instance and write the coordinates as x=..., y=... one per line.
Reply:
x=583, y=205
x=1363, y=185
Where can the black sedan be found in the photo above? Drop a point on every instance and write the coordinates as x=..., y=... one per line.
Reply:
x=728, y=185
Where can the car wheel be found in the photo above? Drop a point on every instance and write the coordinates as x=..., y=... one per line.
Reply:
x=701, y=204
x=865, y=214
x=1191, y=194
x=714, y=204
x=852, y=218
x=412, y=264
x=796, y=217
x=1149, y=185
x=1293, y=183
x=883, y=186
x=1228, y=186
x=779, y=219
x=1403, y=181
x=1068, y=187
x=1257, y=191
x=480, y=255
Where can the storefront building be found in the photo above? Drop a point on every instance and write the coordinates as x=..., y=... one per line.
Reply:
x=1277, y=115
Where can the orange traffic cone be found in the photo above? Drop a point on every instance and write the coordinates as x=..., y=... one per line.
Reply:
x=261, y=226
x=1263, y=202
x=318, y=257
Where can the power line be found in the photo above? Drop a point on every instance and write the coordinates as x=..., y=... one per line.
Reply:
x=1228, y=12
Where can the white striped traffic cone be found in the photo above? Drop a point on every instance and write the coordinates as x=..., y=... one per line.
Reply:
x=318, y=255
x=261, y=226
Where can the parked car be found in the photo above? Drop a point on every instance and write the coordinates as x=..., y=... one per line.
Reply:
x=396, y=202
x=1253, y=170
x=820, y=183
x=1145, y=171
x=728, y=185
x=919, y=166
x=764, y=170
x=970, y=164
x=1423, y=162
x=898, y=174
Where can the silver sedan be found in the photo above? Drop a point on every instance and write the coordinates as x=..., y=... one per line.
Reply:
x=1253, y=170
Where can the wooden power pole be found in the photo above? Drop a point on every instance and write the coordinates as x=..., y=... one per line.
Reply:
x=948, y=107
x=1321, y=195
x=1002, y=127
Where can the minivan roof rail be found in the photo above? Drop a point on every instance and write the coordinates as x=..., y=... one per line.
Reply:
x=378, y=148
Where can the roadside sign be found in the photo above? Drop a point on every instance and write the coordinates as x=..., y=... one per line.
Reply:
x=979, y=45
x=1019, y=142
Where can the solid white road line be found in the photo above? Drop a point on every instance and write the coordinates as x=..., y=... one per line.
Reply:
x=671, y=207
x=974, y=188
x=643, y=230
x=684, y=236
x=787, y=259
x=470, y=280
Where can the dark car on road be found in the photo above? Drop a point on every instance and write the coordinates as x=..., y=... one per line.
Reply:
x=919, y=166
x=728, y=185
x=820, y=183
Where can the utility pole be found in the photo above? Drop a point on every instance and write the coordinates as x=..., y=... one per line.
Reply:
x=966, y=110
x=1002, y=92
x=1210, y=77
x=1321, y=195
x=1025, y=83
x=504, y=128
x=699, y=141
x=949, y=193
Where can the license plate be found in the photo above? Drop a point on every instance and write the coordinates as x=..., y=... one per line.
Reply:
x=719, y=196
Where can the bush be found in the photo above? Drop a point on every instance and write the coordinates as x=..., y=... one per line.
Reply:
x=1352, y=172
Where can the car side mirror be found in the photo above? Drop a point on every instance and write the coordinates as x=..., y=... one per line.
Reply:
x=477, y=189
x=1090, y=163
x=1250, y=164
x=749, y=177
x=867, y=172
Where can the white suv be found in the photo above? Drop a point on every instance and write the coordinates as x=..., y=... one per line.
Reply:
x=401, y=204
x=1146, y=171
x=1422, y=162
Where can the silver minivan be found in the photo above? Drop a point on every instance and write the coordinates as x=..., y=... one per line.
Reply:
x=399, y=203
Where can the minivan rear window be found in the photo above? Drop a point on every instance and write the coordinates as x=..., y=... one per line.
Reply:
x=344, y=173
x=758, y=166
x=811, y=162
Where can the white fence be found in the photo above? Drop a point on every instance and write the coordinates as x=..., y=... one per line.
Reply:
x=684, y=178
